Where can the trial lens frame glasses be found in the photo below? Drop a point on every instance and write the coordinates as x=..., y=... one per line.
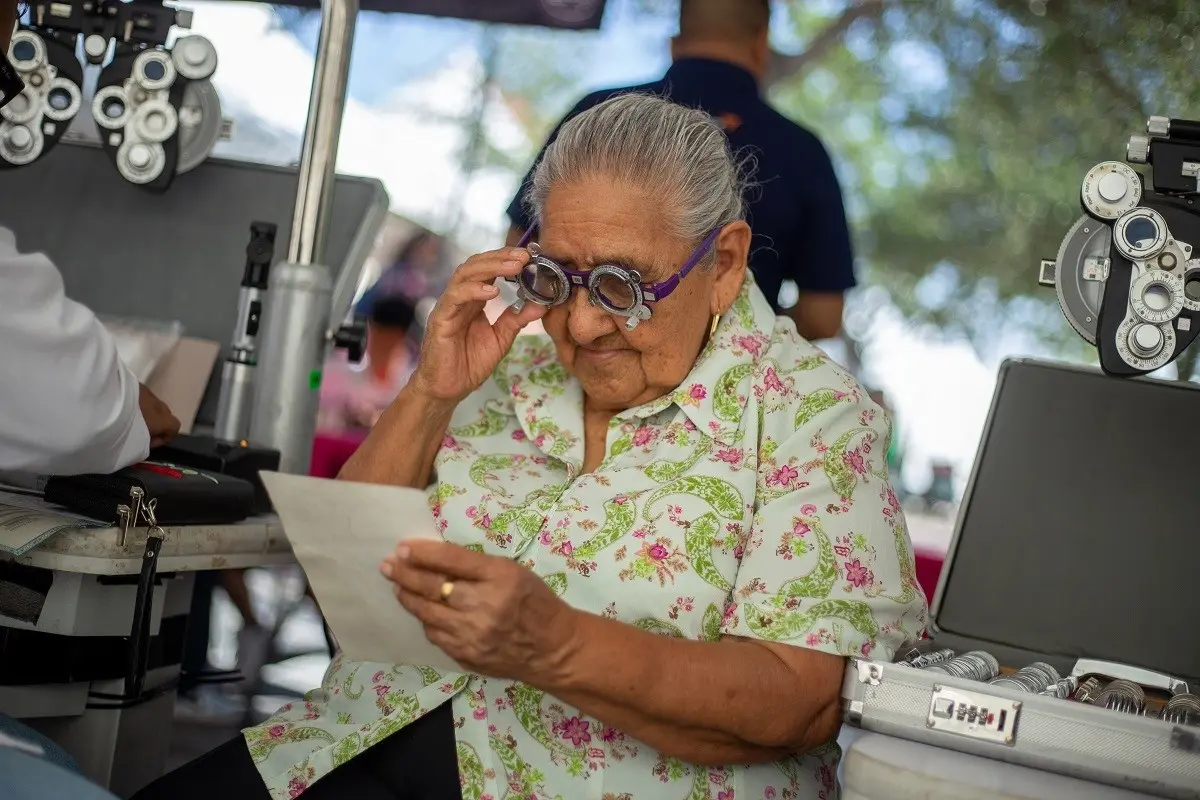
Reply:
x=618, y=290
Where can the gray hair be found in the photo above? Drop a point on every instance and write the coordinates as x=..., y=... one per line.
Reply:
x=681, y=154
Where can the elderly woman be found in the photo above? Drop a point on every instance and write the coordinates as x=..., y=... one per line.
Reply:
x=666, y=521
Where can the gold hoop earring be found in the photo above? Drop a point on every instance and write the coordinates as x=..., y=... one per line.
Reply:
x=712, y=329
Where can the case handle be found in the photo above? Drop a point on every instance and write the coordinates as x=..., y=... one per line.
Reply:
x=1115, y=671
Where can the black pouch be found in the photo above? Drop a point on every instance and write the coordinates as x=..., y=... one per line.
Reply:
x=235, y=459
x=183, y=495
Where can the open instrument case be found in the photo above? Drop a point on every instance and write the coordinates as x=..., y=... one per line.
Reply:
x=1075, y=564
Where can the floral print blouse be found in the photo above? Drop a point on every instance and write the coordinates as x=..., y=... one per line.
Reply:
x=752, y=501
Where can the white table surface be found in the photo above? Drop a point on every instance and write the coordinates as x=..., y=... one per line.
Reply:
x=186, y=548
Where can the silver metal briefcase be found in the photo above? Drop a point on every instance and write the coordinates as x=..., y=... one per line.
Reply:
x=1075, y=555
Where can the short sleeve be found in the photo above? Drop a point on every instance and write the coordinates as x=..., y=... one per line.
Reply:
x=828, y=564
x=824, y=254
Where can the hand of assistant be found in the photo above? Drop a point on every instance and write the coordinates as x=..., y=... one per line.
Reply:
x=162, y=424
x=490, y=614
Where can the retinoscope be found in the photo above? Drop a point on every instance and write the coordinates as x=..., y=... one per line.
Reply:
x=154, y=108
x=1126, y=275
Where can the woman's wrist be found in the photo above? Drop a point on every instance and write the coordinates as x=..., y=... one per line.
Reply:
x=582, y=642
x=425, y=403
x=403, y=443
x=565, y=650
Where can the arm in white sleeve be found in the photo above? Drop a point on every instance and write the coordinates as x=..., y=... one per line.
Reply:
x=68, y=404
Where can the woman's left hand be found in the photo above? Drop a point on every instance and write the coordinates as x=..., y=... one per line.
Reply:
x=490, y=614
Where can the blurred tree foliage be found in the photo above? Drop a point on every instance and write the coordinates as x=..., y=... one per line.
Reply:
x=541, y=78
x=964, y=128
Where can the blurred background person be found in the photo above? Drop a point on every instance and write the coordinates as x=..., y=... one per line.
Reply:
x=720, y=58
x=416, y=273
x=354, y=395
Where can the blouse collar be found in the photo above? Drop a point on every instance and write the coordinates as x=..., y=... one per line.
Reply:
x=713, y=397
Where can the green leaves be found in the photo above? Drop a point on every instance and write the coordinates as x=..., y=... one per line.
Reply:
x=492, y=420
x=720, y=494
x=619, y=518
x=817, y=403
x=962, y=132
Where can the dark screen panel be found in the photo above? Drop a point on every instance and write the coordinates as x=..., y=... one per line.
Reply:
x=1081, y=534
x=570, y=14
x=179, y=255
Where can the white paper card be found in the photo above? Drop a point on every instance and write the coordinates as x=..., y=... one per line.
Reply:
x=26, y=522
x=340, y=532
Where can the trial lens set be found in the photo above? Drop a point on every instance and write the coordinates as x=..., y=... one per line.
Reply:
x=1120, y=695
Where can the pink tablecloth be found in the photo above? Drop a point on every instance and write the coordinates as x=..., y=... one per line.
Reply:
x=330, y=452
x=929, y=569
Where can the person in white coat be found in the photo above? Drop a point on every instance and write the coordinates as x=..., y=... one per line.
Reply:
x=68, y=405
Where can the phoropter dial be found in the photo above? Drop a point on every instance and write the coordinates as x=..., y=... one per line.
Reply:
x=1140, y=234
x=139, y=107
x=1111, y=189
x=1144, y=346
x=153, y=71
x=33, y=122
x=1125, y=274
x=1191, y=285
x=1145, y=340
x=194, y=58
x=1156, y=296
x=20, y=144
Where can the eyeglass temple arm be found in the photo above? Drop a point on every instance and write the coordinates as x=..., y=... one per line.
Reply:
x=661, y=290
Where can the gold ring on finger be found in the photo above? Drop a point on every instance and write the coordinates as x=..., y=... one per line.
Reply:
x=447, y=590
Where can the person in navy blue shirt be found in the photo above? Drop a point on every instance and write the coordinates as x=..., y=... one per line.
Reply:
x=720, y=57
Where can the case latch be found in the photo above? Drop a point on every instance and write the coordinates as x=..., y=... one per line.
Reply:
x=976, y=715
x=869, y=673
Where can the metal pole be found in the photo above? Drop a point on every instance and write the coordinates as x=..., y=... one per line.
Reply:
x=318, y=155
x=299, y=298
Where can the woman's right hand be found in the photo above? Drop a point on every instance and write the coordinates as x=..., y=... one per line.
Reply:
x=461, y=348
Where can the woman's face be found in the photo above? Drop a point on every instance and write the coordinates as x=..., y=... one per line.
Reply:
x=600, y=221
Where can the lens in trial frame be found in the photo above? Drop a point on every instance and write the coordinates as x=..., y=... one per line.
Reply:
x=543, y=283
x=616, y=292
